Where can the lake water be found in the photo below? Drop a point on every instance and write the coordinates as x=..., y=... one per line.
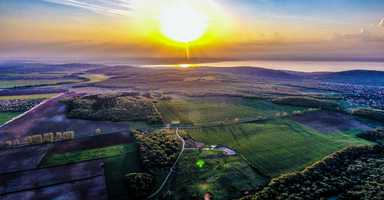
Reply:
x=304, y=66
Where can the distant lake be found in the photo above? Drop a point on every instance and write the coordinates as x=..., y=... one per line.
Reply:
x=304, y=66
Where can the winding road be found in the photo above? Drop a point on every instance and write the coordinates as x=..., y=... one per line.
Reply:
x=172, y=169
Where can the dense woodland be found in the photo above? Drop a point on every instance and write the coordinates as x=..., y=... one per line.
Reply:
x=376, y=135
x=352, y=173
x=18, y=105
x=157, y=150
x=112, y=107
x=139, y=184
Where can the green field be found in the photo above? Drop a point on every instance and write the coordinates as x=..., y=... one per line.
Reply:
x=214, y=109
x=276, y=147
x=115, y=170
x=6, y=116
x=89, y=154
x=217, y=176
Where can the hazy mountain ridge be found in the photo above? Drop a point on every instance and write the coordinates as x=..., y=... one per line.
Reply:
x=366, y=77
x=41, y=67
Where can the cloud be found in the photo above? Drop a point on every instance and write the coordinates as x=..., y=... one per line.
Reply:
x=381, y=23
x=115, y=7
x=362, y=36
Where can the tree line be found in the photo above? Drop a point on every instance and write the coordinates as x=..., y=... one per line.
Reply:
x=352, y=173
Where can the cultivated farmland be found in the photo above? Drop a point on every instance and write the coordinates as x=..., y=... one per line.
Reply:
x=79, y=181
x=218, y=109
x=275, y=147
x=331, y=122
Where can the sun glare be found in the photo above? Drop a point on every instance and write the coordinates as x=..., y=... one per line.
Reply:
x=182, y=23
x=184, y=65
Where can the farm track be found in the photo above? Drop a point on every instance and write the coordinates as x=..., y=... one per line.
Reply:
x=32, y=109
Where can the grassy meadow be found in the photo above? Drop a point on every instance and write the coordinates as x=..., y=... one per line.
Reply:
x=214, y=109
x=277, y=146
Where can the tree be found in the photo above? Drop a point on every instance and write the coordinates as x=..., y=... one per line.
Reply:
x=139, y=184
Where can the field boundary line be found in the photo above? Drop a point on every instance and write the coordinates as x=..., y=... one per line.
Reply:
x=158, y=112
x=32, y=109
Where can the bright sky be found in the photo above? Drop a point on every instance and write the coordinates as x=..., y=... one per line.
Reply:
x=239, y=29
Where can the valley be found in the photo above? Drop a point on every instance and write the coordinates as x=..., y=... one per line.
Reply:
x=243, y=129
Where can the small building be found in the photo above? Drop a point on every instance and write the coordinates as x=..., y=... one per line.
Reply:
x=226, y=151
x=175, y=122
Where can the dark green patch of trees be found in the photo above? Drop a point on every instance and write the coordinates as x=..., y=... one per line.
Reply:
x=112, y=107
x=352, y=173
x=376, y=135
x=139, y=185
x=18, y=105
x=307, y=102
x=158, y=150
x=370, y=113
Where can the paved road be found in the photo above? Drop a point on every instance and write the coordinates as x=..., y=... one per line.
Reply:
x=172, y=169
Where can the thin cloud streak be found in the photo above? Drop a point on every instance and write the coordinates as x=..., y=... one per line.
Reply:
x=381, y=23
x=115, y=7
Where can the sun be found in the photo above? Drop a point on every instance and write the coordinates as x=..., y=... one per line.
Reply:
x=182, y=23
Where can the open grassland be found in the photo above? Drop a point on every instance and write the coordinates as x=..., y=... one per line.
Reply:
x=218, y=109
x=217, y=176
x=6, y=116
x=32, y=96
x=276, y=147
x=332, y=122
x=89, y=154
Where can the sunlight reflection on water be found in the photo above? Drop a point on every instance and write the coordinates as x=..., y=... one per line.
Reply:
x=304, y=66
